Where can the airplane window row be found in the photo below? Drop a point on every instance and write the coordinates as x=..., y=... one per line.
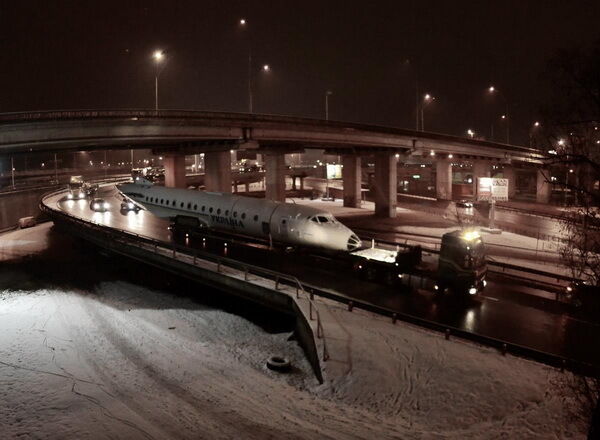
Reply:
x=195, y=207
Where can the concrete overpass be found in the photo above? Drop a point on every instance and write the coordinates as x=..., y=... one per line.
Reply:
x=175, y=134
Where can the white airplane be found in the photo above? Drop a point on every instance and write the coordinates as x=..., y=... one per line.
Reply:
x=281, y=222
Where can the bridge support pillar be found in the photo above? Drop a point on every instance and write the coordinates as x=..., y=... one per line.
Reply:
x=386, y=185
x=443, y=179
x=510, y=173
x=175, y=171
x=351, y=175
x=481, y=168
x=217, y=171
x=544, y=188
x=275, y=176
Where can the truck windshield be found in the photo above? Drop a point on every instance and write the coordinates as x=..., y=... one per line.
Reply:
x=475, y=255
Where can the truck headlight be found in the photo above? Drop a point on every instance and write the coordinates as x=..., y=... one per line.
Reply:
x=472, y=291
x=130, y=205
x=96, y=206
x=105, y=205
x=81, y=195
x=70, y=196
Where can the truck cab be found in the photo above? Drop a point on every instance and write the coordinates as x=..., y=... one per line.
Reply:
x=462, y=265
x=79, y=189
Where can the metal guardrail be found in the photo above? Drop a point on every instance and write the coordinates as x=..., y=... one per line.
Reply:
x=503, y=346
x=174, y=249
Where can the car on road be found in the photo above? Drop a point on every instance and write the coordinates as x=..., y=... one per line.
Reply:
x=128, y=205
x=585, y=297
x=464, y=204
x=99, y=205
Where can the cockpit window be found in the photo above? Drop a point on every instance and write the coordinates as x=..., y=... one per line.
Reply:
x=323, y=219
x=314, y=219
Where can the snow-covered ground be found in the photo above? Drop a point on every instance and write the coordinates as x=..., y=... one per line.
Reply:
x=121, y=360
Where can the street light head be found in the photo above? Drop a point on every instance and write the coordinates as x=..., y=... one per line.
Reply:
x=491, y=89
x=266, y=68
x=427, y=97
x=536, y=124
x=329, y=92
x=470, y=132
x=242, y=21
x=158, y=55
x=503, y=116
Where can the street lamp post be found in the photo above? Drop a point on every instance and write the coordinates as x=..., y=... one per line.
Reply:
x=243, y=23
x=327, y=95
x=532, y=131
x=159, y=57
x=494, y=91
x=55, y=169
x=427, y=98
x=12, y=171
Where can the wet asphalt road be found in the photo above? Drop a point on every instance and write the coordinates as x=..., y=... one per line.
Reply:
x=504, y=312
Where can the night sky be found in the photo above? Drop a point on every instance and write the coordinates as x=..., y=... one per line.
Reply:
x=97, y=54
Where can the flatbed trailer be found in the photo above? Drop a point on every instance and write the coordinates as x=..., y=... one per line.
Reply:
x=460, y=268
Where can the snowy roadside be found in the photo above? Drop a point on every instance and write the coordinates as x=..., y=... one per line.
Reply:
x=119, y=360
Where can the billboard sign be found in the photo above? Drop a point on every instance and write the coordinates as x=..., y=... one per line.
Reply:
x=334, y=171
x=489, y=188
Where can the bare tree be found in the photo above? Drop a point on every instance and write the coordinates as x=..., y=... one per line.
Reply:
x=571, y=139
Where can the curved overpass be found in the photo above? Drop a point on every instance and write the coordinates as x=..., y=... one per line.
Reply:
x=96, y=129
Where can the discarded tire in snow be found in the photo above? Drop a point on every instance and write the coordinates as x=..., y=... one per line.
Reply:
x=278, y=363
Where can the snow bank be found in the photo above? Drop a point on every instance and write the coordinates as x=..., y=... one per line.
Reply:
x=425, y=385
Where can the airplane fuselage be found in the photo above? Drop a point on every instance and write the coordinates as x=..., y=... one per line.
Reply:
x=283, y=222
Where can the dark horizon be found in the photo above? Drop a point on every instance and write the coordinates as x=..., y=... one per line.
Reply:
x=73, y=56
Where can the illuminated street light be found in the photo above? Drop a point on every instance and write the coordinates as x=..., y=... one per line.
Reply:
x=471, y=133
x=427, y=99
x=493, y=91
x=242, y=21
x=159, y=57
x=561, y=142
x=536, y=124
x=266, y=68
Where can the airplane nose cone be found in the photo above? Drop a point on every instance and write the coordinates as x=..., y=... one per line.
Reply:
x=354, y=242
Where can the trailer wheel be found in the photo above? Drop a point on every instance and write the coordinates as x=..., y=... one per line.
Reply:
x=278, y=363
